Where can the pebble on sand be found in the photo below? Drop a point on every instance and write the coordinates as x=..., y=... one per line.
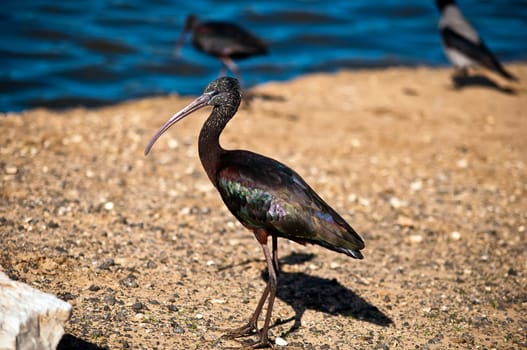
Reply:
x=334, y=265
x=173, y=143
x=462, y=163
x=396, y=203
x=10, y=169
x=416, y=185
x=280, y=341
x=108, y=206
x=456, y=236
x=218, y=301
x=416, y=238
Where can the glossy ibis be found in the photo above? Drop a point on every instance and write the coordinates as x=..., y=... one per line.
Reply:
x=462, y=44
x=224, y=40
x=266, y=196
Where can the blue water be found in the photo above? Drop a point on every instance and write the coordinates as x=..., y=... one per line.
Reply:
x=94, y=52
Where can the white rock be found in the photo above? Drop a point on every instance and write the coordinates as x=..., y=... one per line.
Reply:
x=396, y=203
x=218, y=301
x=11, y=169
x=334, y=265
x=313, y=267
x=280, y=341
x=365, y=202
x=233, y=241
x=416, y=238
x=455, y=235
x=355, y=143
x=416, y=185
x=108, y=206
x=352, y=197
x=184, y=211
x=29, y=318
x=462, y=163
x=173, y=143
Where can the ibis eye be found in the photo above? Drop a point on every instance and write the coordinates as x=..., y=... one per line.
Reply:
x=212, y=96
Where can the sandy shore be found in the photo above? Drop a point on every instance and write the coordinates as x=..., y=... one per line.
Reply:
x=433, y=178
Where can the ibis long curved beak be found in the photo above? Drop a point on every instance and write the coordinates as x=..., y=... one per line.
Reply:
x=193, y=106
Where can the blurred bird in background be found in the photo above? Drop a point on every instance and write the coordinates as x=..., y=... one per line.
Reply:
x=462, y=44
x=224, y=40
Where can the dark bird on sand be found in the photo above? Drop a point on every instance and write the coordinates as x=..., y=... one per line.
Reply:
x=224, y=40
x=462, y=44
x=266, y=196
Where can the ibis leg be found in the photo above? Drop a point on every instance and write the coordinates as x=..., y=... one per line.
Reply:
x=263, y=342
x=252, y=326
x=270, y=291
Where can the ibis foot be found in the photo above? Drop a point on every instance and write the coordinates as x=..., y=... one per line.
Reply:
x=262, y=343
x=243, y=331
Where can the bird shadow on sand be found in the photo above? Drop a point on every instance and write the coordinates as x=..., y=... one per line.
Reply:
x=303, y=292
x=464, y=81
x=71, y=342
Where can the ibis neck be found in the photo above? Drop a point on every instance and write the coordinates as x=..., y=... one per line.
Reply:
x=209, y=147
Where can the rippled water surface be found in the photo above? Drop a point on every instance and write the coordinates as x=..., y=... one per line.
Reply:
x=95, y=52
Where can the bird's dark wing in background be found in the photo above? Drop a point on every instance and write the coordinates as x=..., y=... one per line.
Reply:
x=476, y=51
x=228, y=39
